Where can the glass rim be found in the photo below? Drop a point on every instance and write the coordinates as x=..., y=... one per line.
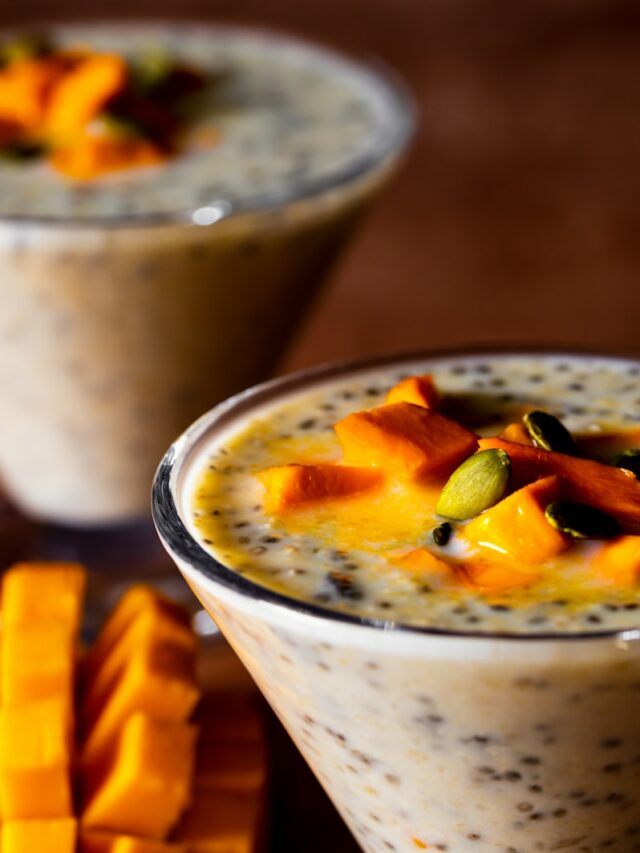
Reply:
x=177, y=538
x=394, y=138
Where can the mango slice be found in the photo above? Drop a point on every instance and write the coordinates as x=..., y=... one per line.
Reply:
x=612, y=490
x=423, y=561
x=419, y=390
x=35, y=760
x=499, y=578
x=222, y=823
x=291, y=487
x=516, y=432
x=406, y=440
x=25, y=87
x=39, y=836
x=38, y=592
x=159, y=679
x=91, y=156
x=38, y=661
x=619, y=561
x=149, y=782
x=516, y=527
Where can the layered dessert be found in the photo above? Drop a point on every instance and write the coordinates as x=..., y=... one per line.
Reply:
x=172, y=200
x=431, y=568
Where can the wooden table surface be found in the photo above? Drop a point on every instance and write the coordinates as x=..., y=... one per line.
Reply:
x=515, y=217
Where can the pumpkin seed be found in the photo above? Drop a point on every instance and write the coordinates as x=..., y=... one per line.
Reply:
x=629, y=459
x=549, y=433
x=477, y=484
x=442, y=533
x=581, y=521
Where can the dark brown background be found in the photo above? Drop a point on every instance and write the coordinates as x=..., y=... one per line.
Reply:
x=515, y=218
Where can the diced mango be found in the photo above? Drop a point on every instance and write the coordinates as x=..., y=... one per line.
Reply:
x=604, y=487
x=82, y=93
x=95, y=841
x=90, y=156
x=38, y=661
x=149, y=783
x=136, y=599
x=25, y=87
x=516, y=432
x=404, y=439
x=516, y=527
x=39, y=836
x=619, y=561
x=419, y=390
x=35, y=760
x=232, y=717
x=222, y=823
x=233, y=767
x=499, y=578
x=291, y=487
x=422, y=561
x=153, y=623
x=38, y=592
x=159, y=679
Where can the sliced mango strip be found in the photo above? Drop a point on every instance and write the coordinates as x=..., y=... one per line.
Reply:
x=35, y=592
x=499, y=578
x=423, y=561
x=153, y=623
x=516, y=432
x=419, y=390
x=38, y=661
x=404, y=439
x=619, y=561
x=39, y=836
x=603, y=446
x=35, y=761
x=25, y=87
x=291, y=487
x=91, y=156
x=516, y=527
x=612, y=490
x=149, y=782
x=82, y=94
x=222, y=823
x=159, y=679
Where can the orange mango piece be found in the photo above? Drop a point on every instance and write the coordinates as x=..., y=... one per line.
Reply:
x=37, y=592
x=148, y=784
x=499, y=578
x=90, y=157
x=516, y=432
x=37, y=661
x=135, y=599
x=39, y=836
x=603, y=446
x=516, y=527
x=619, y=561
x=423, y=561
x=107, y=842
x=232, y=767
x=419, y=390
x=25, y=88
x=35, y=761
x=219, y=822
x=159, y=679
x=612, y=490
x=82, y=93
x=404, y=439
x=291, y=487
x=153, y=623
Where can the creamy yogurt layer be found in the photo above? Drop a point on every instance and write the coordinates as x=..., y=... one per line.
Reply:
x=340, y=555
x=288, y=118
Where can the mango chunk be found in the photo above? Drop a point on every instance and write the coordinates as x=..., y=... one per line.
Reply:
x=39, y=836
x=38, y=661
x=39, y=592
x=612, y=490
x=91, y=156
x=82, y=93
x=153, y=623
x=423, y=561
x=149, y=782
x=222, y=823
x=516, y=432
x=619, y=561
x=107, y=842
x=35, y=760
x=231, y=767
x=159, y=679
x=291, y=487
x=499, y=578
x=419, y=390
x=25, y=87
x=407, y=440
x=136, y=599
x=516, y=527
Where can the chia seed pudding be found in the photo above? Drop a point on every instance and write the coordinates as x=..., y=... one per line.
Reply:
x=133, y=302
x=436, y=719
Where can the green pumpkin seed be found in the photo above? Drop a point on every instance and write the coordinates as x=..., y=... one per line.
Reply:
x=629, y=459
x=442, y=534
x=581, y=521
x=548, y=432
x=480, y=482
